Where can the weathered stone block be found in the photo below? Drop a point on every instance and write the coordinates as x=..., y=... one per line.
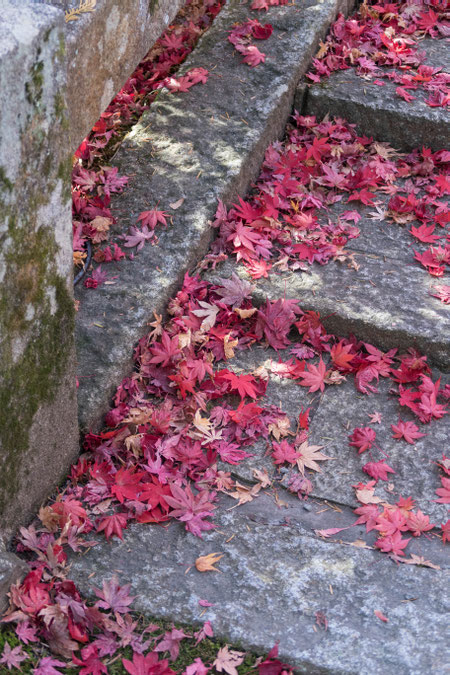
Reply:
x=38, y=431
x=275, y=576
x=377, y=110
x=102, y=50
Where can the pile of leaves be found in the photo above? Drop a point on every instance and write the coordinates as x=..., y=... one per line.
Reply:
x=381, y=40
x=93, y=181
x=288, y=222
x=174, y=419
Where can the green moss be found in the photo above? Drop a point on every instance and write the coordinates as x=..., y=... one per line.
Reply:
x=33, y=88
x=33, y=379
x=4, y=180
x=152, y=5
x=62, y=47
x=64, y=174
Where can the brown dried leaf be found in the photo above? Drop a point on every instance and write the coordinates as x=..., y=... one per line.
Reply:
x=245, y=494
x=205, y=563
x=262, y=477
x=228, y=346
x=245, y=313
x=49, y=518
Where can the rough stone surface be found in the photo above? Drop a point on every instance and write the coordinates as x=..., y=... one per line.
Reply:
x=334, y=414
x=37, y=381
x=378, y=111
x=204, y=145
x=382, y=302
x=12, y=569
x=102, y=50
x=275, y=576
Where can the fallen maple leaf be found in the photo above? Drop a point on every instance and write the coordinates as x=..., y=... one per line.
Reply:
x=330, y=532
x=309, y=455
x=227, y=660
x=377, y=470
x=407, y=430
x=245, y=494
x=205, y=563
x=314, y=376
x=362, y=438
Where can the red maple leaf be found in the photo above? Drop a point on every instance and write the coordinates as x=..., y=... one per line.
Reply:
x=425, y=233
x=362, y=438
x=147, y=665
x=444, y=491
x=318, y=148
x=392, y=520
x=378, y=470
x=165, y=351
x=151, y=218
x=284, y=452
x=253, y=56
x=90, y=661
x=113, y=525
x=418, y=522
x=342, y=356
x=243, y=384
x=127, y=484
x=245, y=414
x=368, y=514
x=392, y=543
x=70, y=508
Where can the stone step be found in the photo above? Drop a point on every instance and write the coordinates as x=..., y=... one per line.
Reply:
x=277, y=579
x=377, y=111
x=333, y=416
x=385, y=302
x=202, y=146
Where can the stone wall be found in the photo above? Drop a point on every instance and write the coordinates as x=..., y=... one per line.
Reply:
x=55, y=80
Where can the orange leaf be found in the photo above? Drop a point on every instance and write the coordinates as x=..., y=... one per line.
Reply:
x=205, y=563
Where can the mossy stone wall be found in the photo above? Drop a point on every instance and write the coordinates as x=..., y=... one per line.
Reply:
x=38, y=429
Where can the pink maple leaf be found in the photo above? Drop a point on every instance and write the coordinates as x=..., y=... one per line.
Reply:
x=378, y=470
x=47, y=666
x=407, y=430
x=114, y=597
x=171, y=642
x=314, y=377
x=12, y=658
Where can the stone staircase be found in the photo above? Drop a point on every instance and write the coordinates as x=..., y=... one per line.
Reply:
x=276, y=575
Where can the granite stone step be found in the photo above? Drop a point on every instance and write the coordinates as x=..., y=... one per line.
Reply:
x=202, y=146
x=277, y=579
x=333, y=416
x=377, y=111
x=385, y=301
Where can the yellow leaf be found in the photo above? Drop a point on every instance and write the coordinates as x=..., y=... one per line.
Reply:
x=83, y=7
